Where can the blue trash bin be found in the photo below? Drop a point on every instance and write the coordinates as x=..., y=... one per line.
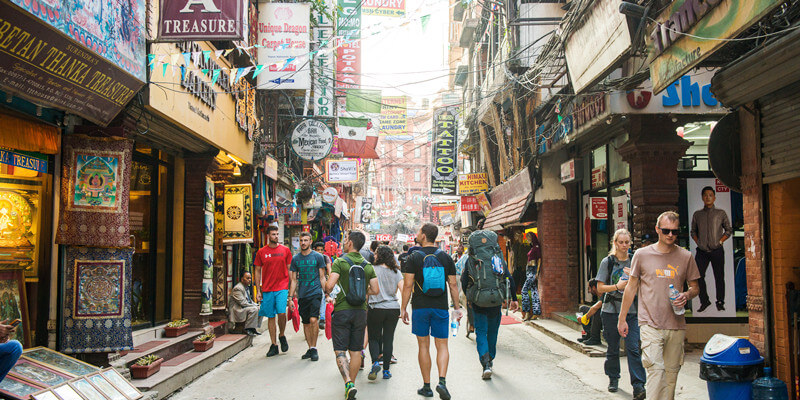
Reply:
x=729, y=365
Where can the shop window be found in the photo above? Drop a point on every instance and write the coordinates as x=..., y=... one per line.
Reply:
x=400, y=173
x=618, y=169
x=417, y=152
x=21, y=195
x=417, y=175
x=696, y=158
x=400, y=151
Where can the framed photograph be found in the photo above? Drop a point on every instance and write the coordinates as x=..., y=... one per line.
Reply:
x=106, y=387
x=209, y=197
x=16, y=388
x=14, y=304
x=121, y=383
x=38, y=374
x=209, y=228
x=67, y=392
x=46, y=394
x=86, y=389
x=59, y=362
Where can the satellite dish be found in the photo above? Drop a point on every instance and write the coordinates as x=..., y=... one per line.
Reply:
x=724, y=151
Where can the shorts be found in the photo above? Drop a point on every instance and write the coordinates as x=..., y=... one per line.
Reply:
x=273, y=303
x=308, y=308
x=430, y=322
x=348, y=328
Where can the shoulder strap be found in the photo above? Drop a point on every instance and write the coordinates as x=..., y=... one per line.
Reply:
x=349, y=261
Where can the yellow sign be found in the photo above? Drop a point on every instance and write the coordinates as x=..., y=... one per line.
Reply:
x=394, y=118
x=471, y=184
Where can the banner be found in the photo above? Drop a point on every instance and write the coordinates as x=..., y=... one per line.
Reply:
x=366, y=210
x=394, y=115
x=470, y=203
x=358, y=123
x=384, y=8
x=284, y=36
x=348, y=54
x=472, y=184
x=341, y=171
x=323, y=65
x=201, y=20
x=238, y=213
x=444, y=171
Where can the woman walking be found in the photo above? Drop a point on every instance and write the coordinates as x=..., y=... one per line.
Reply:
x=384, y=312
x=531, y=308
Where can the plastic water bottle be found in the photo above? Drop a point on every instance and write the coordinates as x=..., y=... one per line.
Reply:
x=454, y=323
x=673, y=294
x=335, y=291
x=769, y=388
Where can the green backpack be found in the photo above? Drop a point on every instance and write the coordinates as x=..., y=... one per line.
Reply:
x=486, y=265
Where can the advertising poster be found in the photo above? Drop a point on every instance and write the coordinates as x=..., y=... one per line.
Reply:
x=598, y=207
x=341, y=171
x=721, y=276
x=444, y=173
x=394, y=114
x=619, y=212
x=284, y=36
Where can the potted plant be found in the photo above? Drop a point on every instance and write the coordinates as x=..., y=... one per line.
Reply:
x=146, y=366
x=204, y=342
x=176, y=328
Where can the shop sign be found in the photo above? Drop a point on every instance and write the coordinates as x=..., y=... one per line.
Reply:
x=366, y=210
x=599, y=177
x=691, y=94
x=383, y=237
x=384, y=8
x=341, y=171
x=294, y=219
x=23, y=161
x=444, y=208
x=470, y=203
x=323, y=64
x=402, y=237
x=470, y=184
x=444, y=171
x=283, y=37
x=568, y=171
x=201, y=20
x=348, y=53
x=620, y=212
x=720, y=187
x=285, y=210
x=589, y=109
x=41, y=64
x=394, y=115
x=483, y=201
x=329, y=195
x=597, y=45
x=271, y=168
x=312, y=140
x=677, y=39
x=447, y=219
x=598, y=207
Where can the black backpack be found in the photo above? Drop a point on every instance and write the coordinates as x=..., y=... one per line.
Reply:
x=357, y=292
x=615, y=296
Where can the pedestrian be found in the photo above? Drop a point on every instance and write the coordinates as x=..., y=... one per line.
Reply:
x=710, y=229
x=486, y=287
x=403, y=257
x=384, y=311
x=369, y=253
x=10, y=350
x=531, y=307
x=462, y=296
x=612, y=278
x=661, y=322
x=242, y=306
x=349, y=275
x=592, y=325
x=308, y=275
x=319, y=247
x=428, y=273
x=272, y=262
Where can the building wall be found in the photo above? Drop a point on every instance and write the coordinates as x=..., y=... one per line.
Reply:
x=555, y=290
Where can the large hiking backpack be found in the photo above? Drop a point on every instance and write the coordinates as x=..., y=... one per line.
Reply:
x=433, y=275
x=616, y=295
x=486, y=266
x=357, y=277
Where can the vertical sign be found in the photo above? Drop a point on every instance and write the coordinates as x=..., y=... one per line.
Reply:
x=348, y=53
x=323, y=65
x=284, y=37
x=444, y=175
x=366, y=210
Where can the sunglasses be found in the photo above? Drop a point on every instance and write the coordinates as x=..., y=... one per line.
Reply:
x=666, y=232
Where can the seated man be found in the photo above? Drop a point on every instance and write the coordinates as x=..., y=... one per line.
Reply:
x=591, y=325
x=242, y=307
x=10, y=350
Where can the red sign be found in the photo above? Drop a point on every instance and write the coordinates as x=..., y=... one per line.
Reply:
x=383, y=237
x=720, y=187
x=306, y=228
x=201, y=20
x=599, y=207
x=348, y=65
x=599, y=177
x=445, y=207
x=470, y=203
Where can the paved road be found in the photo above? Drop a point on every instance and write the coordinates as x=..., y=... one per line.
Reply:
x=528, y=365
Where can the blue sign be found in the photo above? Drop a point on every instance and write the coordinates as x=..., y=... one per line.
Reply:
x=690, y=96
x=23, y=161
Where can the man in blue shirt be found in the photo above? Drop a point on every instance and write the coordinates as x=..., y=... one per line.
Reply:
x=308, y=276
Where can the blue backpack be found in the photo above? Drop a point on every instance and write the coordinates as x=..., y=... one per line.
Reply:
x=433, y=275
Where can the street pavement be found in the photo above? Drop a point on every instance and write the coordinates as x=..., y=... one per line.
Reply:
x=529, y=365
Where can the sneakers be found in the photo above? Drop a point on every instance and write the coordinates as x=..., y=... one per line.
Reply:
x=720, y=306
x=487, y=373
x=394, y=360
x=284, y=344
x=273, y=350
x=314, y=355
x=425, y=391
x=387, y=374
x=613, y=385
x=443, y=393
x=251, y=332
x=350, y=391
x=307, y=355
x=591, y=342
x=373, y=373
x=639, y=393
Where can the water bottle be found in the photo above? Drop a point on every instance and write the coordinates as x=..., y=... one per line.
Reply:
x=335, y=291
x=769, y=388
x=673, y=294
x=454, y=323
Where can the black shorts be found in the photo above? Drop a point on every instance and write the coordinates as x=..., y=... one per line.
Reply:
x=348, y=330
x=308, y=308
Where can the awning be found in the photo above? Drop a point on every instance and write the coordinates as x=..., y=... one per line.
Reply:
x=509, y=213
x=23, y=134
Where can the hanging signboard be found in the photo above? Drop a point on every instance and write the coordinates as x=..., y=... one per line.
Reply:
x=568, y=171
x=201, y=20
x=341, y=171
x=366, y=210
x=312, y=140
x=348, y=52
x=22, y=161
x=323, y=64
x=394, y=124
x=444, y=172
x=483, y=201
x=472, y=184
x=271, y=168
x=383, y=237
x=329, y=195
x=470, y=203
x=284, y=38
x=384, y=8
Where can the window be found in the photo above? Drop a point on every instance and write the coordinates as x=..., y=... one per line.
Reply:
x=417, y=152
x=382, y=149
x=399, y=151
x=399, y=172
x=417, y=175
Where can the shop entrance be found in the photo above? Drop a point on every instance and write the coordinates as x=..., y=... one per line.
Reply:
x=151, y=228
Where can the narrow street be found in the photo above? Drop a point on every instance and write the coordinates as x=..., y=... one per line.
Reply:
x=529, y=365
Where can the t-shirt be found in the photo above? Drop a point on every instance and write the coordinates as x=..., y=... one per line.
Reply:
x=617, y=271
x=342, y=267
x=274, y=263
x=387, y=280
x=414, y=266
x=307, y=268
x=656, y=271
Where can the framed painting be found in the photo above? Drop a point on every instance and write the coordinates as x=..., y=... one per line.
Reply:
x=20, y=224
x=209, y=228
x=46, y=394
x=16, y=388
x=86, y=389
x=208, y=262
x=96, y=177
x=209, y=197
x=99, y=289
x=106, y=387
x=38, y=374
x=121, y=383
x=14, y=304
x=59, y=362
x=67, y=392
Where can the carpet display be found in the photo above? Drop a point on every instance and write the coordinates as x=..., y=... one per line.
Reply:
x=238, y=214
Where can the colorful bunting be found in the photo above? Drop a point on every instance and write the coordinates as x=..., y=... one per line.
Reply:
x=214, y=76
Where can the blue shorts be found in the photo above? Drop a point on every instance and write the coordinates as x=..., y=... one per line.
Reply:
x=273, y=303
x=430, y=321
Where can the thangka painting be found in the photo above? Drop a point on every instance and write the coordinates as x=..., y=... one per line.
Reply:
x=13, y=303
x=95, y=189
x=209, y=229
x=16, y=388
x=208, y=262
x=20, y=211
x=97, y=300
x=38, y=374
x=205, y=301
x=209, y=197
x=58, y=362
x=238, y=214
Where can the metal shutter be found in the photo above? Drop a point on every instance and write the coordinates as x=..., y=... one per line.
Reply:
x=780, y=134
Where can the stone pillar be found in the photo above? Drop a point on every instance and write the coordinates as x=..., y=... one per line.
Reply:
x=197, y=167
x=652, y=150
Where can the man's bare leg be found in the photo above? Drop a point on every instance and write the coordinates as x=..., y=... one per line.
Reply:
x=343, y=365
x=282, y=324
x=442, y=356
x=355, y=364
x=273, y=330
x=312, y=332
x=424, y=357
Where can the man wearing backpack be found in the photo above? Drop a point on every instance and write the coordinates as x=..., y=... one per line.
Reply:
x=487, y=284
x=428, y=273
x=352, y=280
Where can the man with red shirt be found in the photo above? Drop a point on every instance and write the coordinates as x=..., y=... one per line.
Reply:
x=273, y=261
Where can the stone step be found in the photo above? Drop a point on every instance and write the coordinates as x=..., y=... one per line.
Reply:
x=566, y=335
